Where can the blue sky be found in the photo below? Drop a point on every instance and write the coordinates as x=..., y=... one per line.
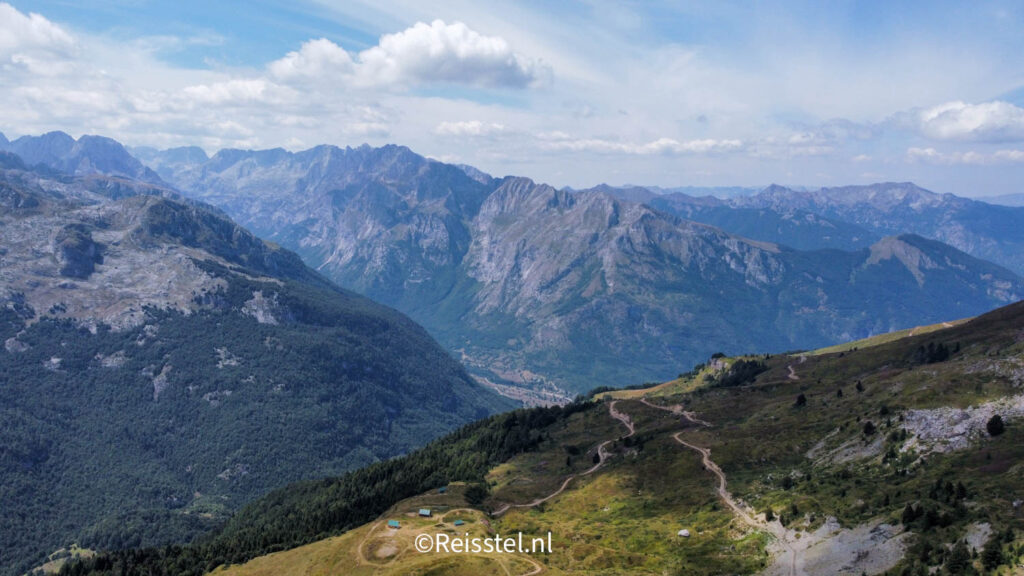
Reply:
x=570, y=93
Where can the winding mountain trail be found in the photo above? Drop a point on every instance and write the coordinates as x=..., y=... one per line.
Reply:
x=603, y=456
x=774, y=528
x=792, y=373
x=677, y=409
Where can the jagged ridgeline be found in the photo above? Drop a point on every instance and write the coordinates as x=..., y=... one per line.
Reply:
x=531, y=286
x=163, y=366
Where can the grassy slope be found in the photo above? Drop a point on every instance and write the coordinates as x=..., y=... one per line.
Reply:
x=885, y=338
x=624, y=517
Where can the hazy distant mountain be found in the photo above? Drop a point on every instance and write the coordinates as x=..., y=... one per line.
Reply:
x=721, y=192
x=530, y=284
x=475, y=174
x=161, y=366
x=1015, y=200
x=169, y=163
x=990, y=232
x=795, y=228
x=87, y=155
x=853, y=217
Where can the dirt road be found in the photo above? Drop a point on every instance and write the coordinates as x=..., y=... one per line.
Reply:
x=603, y=456
x=774, y=528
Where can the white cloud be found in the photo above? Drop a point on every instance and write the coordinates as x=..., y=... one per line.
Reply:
x=986, y=122
x=435, y=53
x=933, y=156
x=32, y=44
x=32, y=32
x=450, y=53
x=232, y=92
x=469, y=128
x=561, y=141
x=317, y=59
x=1009, y=155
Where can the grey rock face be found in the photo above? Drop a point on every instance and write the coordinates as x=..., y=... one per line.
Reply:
x=76, y=251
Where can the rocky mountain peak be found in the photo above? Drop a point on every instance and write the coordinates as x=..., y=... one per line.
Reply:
x=88, y=155
x=476, y=174
x=898, y=248
x=46, y=149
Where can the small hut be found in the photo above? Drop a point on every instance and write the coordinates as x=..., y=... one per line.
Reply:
x=425, y=512
x=394, y=524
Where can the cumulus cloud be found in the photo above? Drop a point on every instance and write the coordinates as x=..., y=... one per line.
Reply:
x=933, y=156
x=439, y=52
x=435, y=53
x=469, y=128
x=316, y=59
x=986, y=122
x=562, y=141
x=31, y=43
x=30, y=32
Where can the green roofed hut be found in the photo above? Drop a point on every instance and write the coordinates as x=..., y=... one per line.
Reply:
x=442, y=490
x=459, y=522
x=394, y=524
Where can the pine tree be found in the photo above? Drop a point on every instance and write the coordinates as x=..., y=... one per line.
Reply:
x=909, y=515
x=959, y=560
x=992, y=553
x=995, y=425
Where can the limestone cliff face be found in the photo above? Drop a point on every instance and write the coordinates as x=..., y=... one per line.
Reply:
x=534, y=247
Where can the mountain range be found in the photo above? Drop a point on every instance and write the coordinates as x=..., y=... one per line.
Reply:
x=851, y=217
x=544, y=293
x=560, y=290
x=162, y=366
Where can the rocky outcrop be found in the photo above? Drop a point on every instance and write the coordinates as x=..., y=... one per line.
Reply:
x=948, y=429
x=76, y=251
